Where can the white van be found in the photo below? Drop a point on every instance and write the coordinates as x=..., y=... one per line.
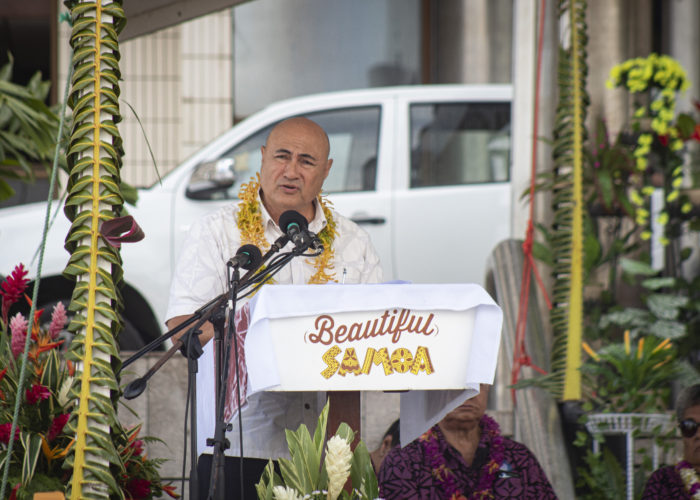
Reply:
x=424, y=169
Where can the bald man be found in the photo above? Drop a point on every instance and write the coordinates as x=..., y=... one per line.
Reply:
x=295, y=163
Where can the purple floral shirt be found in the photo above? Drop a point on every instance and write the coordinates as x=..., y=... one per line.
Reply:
x=665, y=483
x=406, y=475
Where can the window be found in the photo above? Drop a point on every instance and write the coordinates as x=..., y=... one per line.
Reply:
x=354, y=139
x=459, y=143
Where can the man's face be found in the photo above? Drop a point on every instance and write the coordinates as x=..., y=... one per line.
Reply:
x=691, y=445
x=472, y=409
x=294, y=165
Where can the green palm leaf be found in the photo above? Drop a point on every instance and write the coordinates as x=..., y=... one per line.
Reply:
x=94, y=157
x=567, y=198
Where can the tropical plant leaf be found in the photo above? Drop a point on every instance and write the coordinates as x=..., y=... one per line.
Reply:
x=32, y=447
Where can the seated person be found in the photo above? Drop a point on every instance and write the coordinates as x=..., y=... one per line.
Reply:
x=681, y=481
x=390, y=440
x=463, y=456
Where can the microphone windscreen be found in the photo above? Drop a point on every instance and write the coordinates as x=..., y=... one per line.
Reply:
x=254, y=256
x=292, y=218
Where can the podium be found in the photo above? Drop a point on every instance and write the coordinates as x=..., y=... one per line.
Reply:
x=433, y=343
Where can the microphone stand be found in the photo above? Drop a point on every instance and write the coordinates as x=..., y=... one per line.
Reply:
x=193, y=350
x=217, y=484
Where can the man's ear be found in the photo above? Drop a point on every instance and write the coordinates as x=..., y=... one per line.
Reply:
x=387, y=444
x=328, y=168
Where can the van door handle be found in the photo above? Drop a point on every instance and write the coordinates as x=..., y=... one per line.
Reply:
x=375, y=221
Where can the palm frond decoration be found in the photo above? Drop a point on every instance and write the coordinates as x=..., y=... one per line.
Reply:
x=94, y=157
x=568, y=204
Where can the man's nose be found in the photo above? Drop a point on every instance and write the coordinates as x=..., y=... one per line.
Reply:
x=291, y=168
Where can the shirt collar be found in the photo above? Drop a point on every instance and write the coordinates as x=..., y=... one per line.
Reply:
x=316, y=225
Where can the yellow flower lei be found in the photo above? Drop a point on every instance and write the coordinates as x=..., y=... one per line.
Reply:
x=249, y=221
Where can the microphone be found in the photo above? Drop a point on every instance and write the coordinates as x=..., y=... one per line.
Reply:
x=294, y=225
x=248, y=257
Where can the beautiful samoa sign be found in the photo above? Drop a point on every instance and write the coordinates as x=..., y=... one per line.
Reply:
x=371, y=337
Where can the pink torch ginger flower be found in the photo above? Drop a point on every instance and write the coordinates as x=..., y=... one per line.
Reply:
x=18, y=328
x=58, y=320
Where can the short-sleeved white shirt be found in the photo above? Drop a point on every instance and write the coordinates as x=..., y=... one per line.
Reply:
x=201, y=275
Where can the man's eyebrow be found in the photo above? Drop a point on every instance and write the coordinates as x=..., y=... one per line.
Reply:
x=303, y=155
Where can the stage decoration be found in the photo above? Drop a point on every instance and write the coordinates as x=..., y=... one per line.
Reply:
x=250, y=225
x=309, y=476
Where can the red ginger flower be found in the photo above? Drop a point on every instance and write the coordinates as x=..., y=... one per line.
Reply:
x=5, y=430
x=57, y=426
x=137, y=447
x=139, y=488
x=12, y=289
x=36, y=393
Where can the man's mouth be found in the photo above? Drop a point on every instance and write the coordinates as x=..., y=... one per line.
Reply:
x=289, y=188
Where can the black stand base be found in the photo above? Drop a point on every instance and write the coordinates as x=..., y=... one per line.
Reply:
x=252, y=470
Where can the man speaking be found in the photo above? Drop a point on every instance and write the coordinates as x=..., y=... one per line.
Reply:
x=295, y=164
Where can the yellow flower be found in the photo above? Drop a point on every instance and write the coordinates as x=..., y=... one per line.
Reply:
x=672, y=196
x=590, y=351
x=640, y=348
x=55, y=452
x=641, y=163
x=645, y=139
x=664, y=344
x=662, y=218
x=627, y=341
x=646, y=235
x=687, y=207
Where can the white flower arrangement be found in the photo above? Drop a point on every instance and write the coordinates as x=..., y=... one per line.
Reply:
x=308, y=475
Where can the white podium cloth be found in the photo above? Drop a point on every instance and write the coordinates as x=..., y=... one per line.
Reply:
x=420, y=409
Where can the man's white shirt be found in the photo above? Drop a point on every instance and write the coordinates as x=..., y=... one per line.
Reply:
x=201, y=275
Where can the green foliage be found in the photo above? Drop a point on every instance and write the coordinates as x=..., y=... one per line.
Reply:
x=306, y=475
x=602, y=478
x=28, y=128
x=48, y=397
x=622, y=378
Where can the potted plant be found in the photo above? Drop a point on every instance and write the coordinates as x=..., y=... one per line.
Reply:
x=311, y=475
x=34, y=440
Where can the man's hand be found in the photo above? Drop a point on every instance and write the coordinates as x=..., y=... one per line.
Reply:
x=207, y=328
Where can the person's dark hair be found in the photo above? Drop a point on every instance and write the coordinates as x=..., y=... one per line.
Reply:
x=689, y=397
x=393, y=431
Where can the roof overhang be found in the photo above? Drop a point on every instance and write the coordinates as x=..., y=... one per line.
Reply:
x=147, y=16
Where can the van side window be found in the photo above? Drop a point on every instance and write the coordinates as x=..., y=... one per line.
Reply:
x=459, y=143
x=354, y=138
